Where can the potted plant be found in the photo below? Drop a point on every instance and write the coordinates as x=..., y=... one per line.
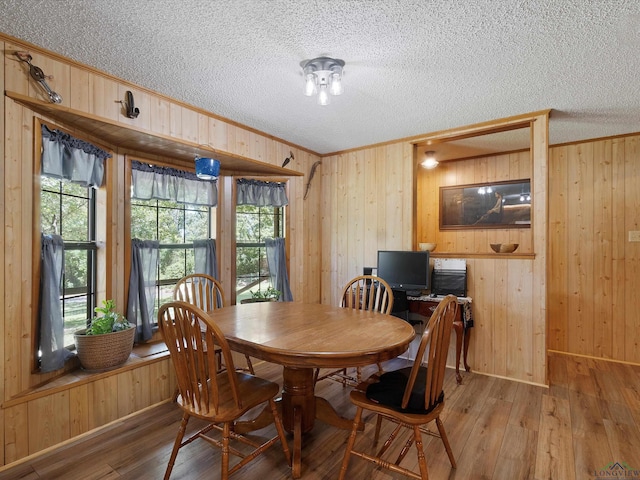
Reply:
x=107, y=341
x=268, y=295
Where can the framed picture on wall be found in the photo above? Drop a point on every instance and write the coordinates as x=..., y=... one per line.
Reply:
x=486, y=205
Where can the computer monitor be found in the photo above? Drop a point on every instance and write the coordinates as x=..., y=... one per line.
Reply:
x=404, y=270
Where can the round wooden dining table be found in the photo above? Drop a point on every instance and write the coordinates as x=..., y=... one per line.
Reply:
x=302, y=337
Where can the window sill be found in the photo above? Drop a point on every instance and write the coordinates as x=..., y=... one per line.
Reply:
x=142, y=354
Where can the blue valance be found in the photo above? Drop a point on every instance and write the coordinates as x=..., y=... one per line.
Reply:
x=166, y=183
x=69, y=158
x=260, y=193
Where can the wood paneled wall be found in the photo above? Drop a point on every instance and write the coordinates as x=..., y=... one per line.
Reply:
x=594, y=279
x=371, y=199
x=366, y=206
x=47, y=419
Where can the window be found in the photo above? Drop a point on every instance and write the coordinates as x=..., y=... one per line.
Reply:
x=69, y=210
x=253, y=225
x=175, y=225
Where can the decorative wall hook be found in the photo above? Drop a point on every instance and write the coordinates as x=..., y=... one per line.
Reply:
x=38, y=75
x=288, y=159
x=130, y=108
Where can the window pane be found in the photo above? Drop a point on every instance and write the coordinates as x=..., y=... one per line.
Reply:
x=164, y=294
x=248, y=224
x=143, y=222
x=248, y=261
x=73, y=189
x=50, y=213
x=75, y=219
x=170, y=225
x=75, y=316
x=196, y=225
x=75, y=269
x=267, y=224
x=172, y=263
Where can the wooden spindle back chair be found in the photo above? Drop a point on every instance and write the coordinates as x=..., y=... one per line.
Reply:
x=364, y=292
x=206, y=293
x=219, y=398
x=411, y=397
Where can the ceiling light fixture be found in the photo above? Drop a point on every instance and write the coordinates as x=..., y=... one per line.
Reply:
x=430, y=160
x=322, y=75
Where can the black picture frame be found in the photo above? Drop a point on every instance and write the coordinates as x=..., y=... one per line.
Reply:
x=505, y=204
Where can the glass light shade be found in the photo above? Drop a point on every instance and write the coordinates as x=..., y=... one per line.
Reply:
x=207, y=168
x=310, y=85
x=323, y=95
x=336, y=84
x=429, y=163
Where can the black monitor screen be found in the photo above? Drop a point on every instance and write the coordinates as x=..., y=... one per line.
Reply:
x=404, y=270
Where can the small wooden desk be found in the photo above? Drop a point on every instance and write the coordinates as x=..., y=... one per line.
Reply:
x=425, y=306
x=303, y=337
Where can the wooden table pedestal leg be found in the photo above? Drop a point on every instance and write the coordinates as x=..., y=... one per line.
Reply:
x=298, y=409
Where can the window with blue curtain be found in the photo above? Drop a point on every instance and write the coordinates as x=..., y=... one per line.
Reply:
x=71, y=170
x=174, y=208
x=260, y=217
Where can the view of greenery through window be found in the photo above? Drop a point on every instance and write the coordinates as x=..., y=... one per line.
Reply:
x=175, y=226
x=67, y=209
x=253, y=225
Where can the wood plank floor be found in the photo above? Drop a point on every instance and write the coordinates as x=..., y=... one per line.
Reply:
x=588, y=419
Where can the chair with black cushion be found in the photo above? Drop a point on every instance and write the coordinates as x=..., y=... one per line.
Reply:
x=364, y=292
x=219, y=398
x=411, y=397
x=206, y=293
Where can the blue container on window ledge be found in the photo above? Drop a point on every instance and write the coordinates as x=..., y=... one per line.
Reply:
x=207, y=168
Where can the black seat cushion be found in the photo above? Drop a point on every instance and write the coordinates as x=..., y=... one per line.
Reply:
x=390, y=390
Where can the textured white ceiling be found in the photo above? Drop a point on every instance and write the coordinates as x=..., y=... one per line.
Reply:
x=412, y=66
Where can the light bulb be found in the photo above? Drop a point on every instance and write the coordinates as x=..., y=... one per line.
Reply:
x=336, y=84
x=310, y=85
x=430, y=160
x=429, y=163
x=323, y=95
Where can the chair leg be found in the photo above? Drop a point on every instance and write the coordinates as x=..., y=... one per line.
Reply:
x=226, y=432
x=378, y=425
x=445, y=440
x=250, y=365
x=176, y=445
x=350, y=444
x=220, y=367
x=280, y=429
x=422, y=462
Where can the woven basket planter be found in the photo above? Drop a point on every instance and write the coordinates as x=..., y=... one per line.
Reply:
x=100, y=352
